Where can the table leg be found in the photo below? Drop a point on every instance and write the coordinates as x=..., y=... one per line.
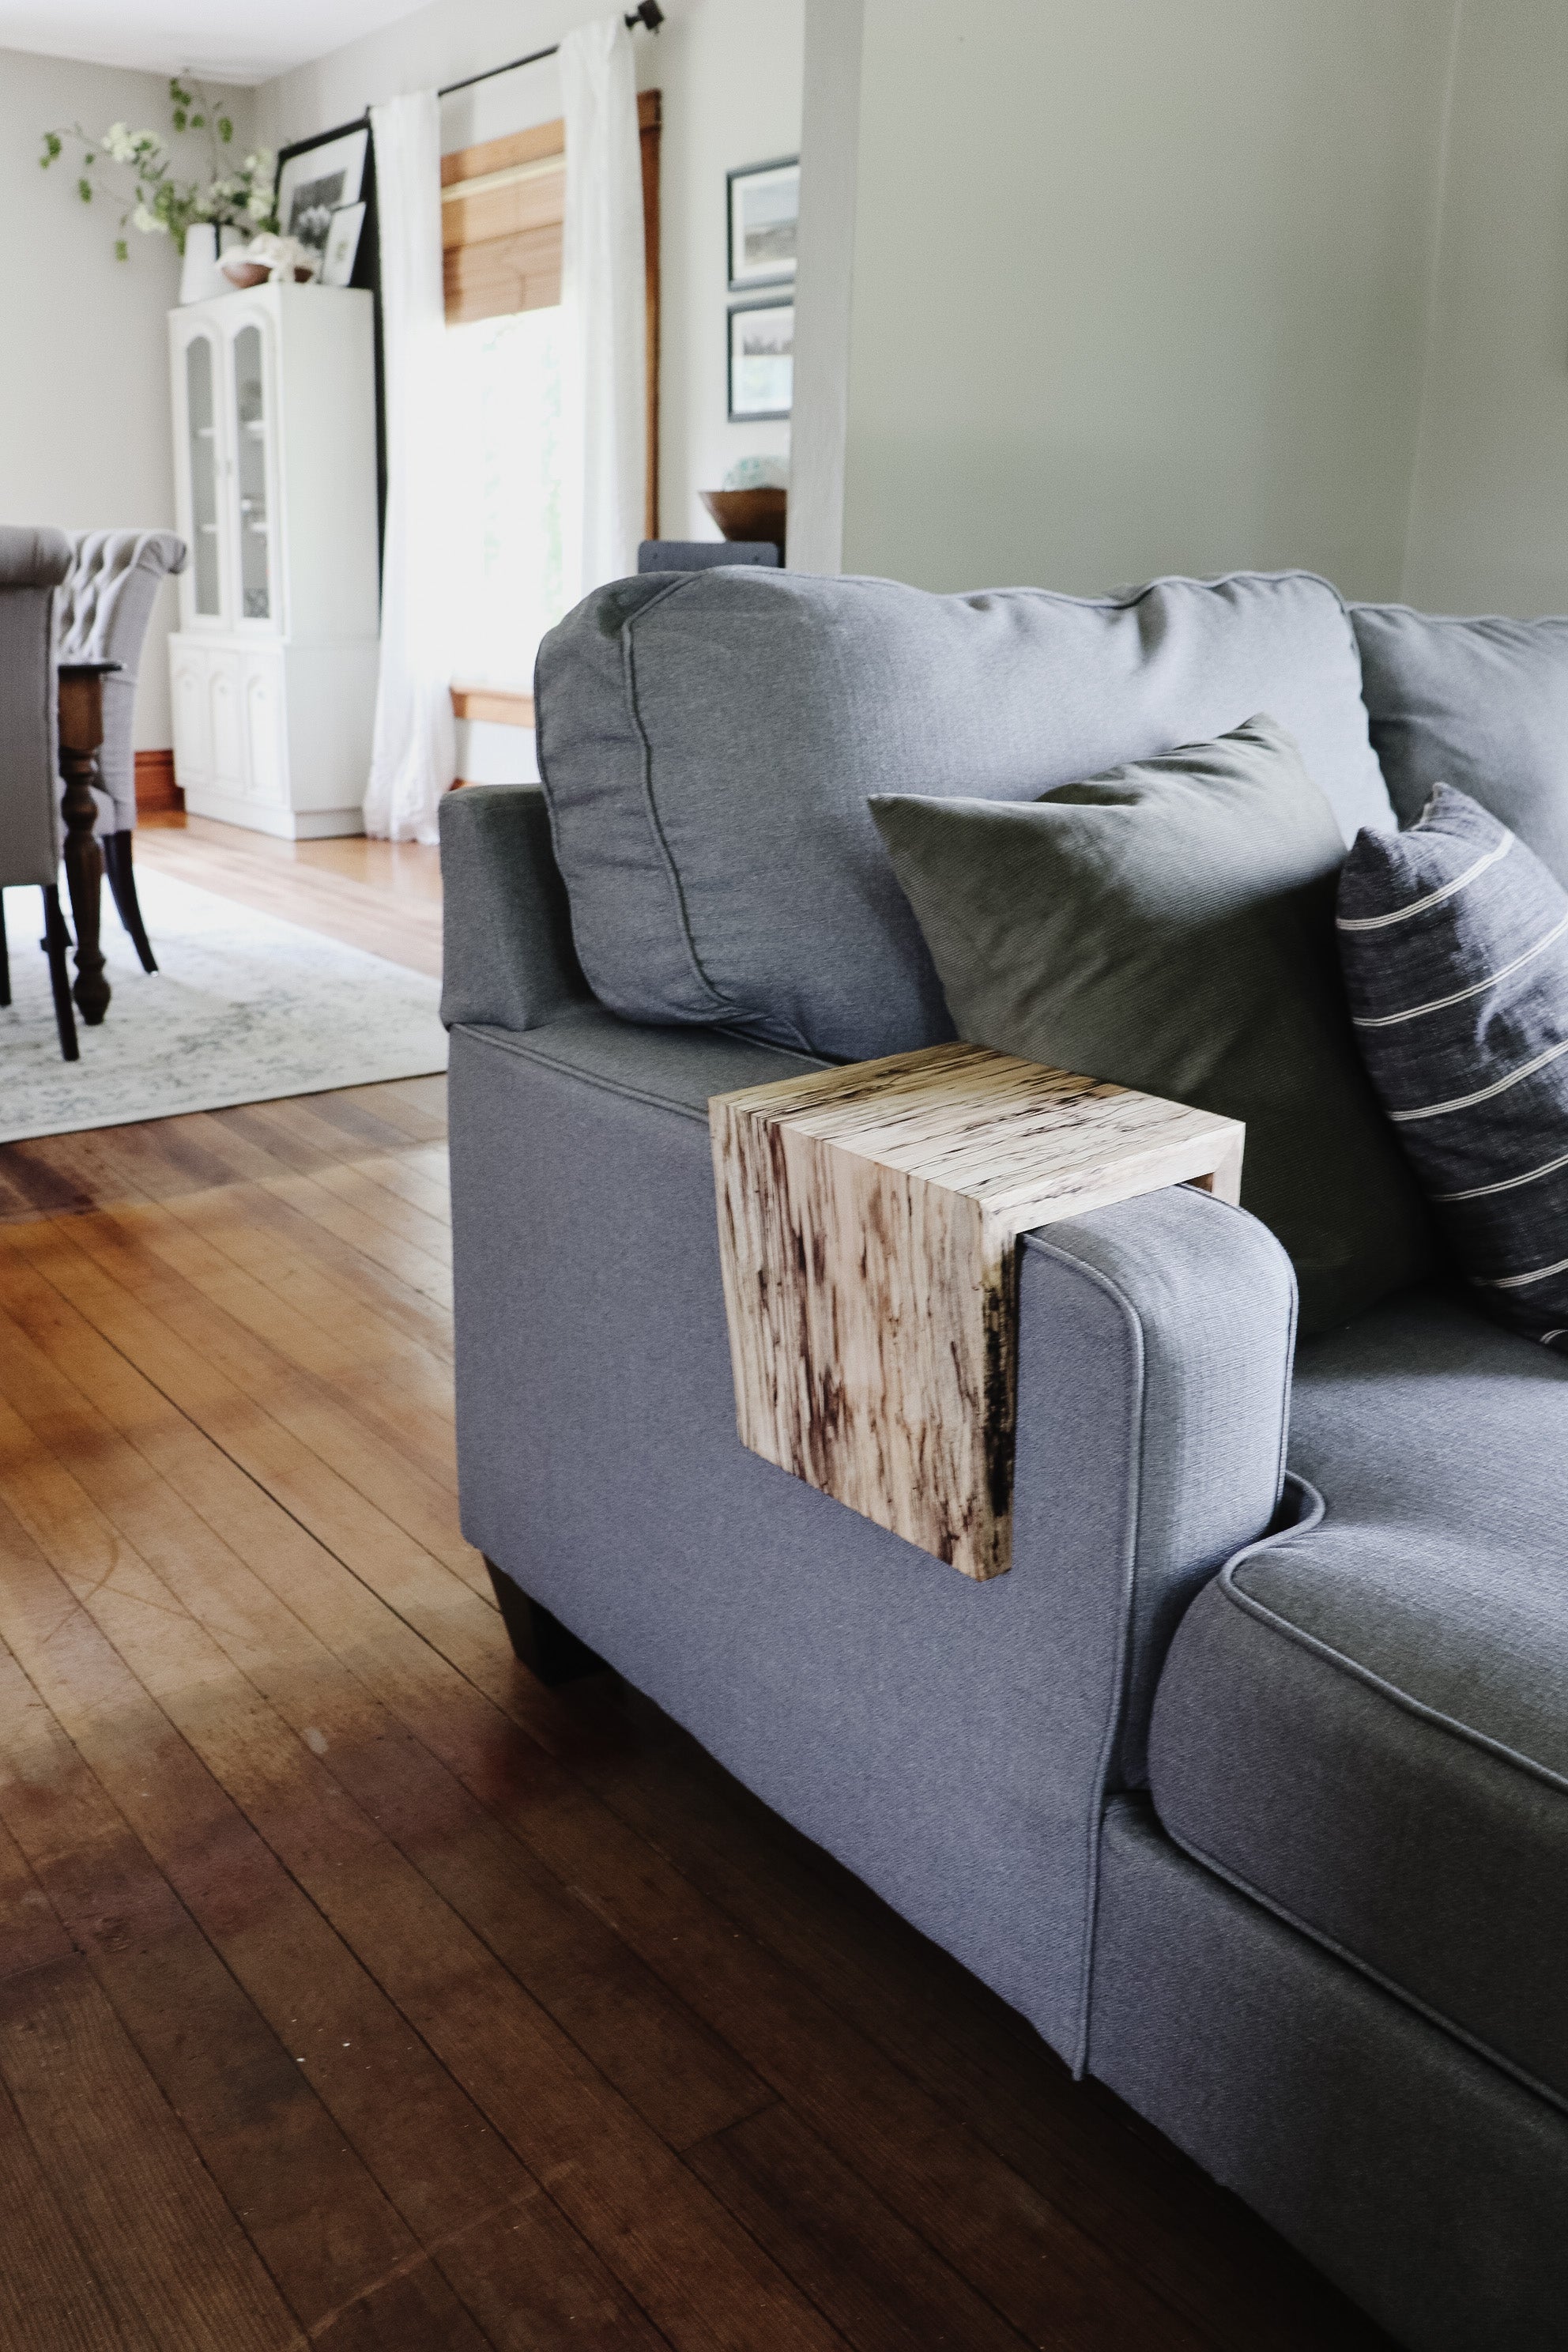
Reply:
x=81, y=732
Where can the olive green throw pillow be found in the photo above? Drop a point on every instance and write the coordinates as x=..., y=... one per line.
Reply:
x=1171, y=925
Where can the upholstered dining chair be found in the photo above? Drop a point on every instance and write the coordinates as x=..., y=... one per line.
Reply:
x=104, y=607
x=32, y=565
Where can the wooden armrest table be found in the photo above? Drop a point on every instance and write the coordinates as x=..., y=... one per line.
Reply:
x=869, y=1219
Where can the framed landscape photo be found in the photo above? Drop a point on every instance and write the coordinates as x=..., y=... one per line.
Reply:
x=315, y=181
x=764, y=213
x=762, y=359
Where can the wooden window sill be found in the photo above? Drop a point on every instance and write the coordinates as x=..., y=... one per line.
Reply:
x=493, y=704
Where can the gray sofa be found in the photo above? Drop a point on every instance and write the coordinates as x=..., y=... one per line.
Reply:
x=1247, y=1783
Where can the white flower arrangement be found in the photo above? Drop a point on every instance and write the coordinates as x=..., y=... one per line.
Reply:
x=157, y=203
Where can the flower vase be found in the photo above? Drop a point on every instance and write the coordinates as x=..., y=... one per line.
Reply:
x=199, y=276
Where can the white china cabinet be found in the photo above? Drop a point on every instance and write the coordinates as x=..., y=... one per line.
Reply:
x=273, y=665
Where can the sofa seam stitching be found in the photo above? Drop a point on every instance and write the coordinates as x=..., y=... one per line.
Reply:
x=1116, y=1694
x=1467, y=1733
x=508, y=1044
x=511, y=1042
x=1401, y=1993
x=720, y=1001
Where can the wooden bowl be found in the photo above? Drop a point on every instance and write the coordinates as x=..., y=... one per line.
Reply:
x=256, y=273
x=750, y=514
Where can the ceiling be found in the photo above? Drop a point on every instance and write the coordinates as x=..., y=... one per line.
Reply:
x=224, y=40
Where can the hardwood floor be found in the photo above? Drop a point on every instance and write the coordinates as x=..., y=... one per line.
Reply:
x=356, y=1991
x=383, y=895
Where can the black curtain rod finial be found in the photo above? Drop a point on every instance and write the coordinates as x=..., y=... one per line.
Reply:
x=647, y=12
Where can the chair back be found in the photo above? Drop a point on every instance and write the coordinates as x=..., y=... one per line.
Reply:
x=33, y=562
x=105, y=608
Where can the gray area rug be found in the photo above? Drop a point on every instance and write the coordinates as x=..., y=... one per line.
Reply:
x=244, y=1008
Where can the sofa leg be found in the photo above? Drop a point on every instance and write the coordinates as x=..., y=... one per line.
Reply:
x=550, y=1653
x=122, y=883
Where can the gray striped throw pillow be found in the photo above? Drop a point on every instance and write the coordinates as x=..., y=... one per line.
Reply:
x=1454, y=940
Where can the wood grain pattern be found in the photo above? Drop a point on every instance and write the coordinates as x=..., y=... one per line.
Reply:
x=868, y=1218
x=356, y=1991
x=157, y=793
x=497, y=707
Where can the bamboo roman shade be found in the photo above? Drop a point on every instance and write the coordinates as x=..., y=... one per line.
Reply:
x=502, y=209
x=502, y=205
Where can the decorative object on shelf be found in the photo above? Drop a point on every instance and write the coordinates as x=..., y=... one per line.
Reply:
x=764, y=212
x=342, y=245
x=273, y=667
x=847, y=1194
x=750, y=514
x=757, y=474
x=317, y=182
x=199, y=274
x=155, y=201
x=269, y=258
x=762, y=359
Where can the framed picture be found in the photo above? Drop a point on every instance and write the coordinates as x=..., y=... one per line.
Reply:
x=764, y=212
x=345, y=158
x=313, y=183
x=342, y=245
x=762, y=359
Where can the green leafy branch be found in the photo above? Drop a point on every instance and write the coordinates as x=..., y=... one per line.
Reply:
x=155, y=200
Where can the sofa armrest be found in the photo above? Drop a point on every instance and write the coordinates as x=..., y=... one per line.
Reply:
x=1155, y=1345
x=509, y=962
x=952, y=1742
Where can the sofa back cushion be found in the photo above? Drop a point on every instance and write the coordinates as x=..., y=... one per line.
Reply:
x=709, y=744
x=1481, y=704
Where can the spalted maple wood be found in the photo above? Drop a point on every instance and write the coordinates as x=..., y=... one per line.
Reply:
x=868, y=1218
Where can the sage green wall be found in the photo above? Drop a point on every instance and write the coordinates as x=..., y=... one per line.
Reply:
x=1490, y=522
x=1140, y=286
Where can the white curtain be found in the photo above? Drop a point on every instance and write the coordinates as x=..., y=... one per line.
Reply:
x=414, y=756
x=604, y=295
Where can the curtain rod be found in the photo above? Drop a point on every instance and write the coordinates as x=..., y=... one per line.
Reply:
x=647, y=12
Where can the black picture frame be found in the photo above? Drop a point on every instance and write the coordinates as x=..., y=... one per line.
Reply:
x=367, y=274
x=740, y=280
x=736, y=313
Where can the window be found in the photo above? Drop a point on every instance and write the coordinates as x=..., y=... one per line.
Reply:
x=502, y=212
x=505, y=393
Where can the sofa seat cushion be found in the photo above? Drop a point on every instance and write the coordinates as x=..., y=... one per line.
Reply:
x=1363, y=1721
x=710, y=741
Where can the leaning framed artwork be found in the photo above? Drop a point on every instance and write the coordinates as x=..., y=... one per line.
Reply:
x=762, y=359
x=315, y=181
x=765, y=213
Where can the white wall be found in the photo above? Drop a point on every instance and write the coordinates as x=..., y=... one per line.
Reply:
x=84, y=390
x=729, y=71
x=1490, y=524
x=1138, y=285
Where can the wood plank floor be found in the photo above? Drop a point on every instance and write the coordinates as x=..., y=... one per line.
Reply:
x=355, y=1991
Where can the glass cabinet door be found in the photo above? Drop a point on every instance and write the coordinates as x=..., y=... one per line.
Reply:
x=251, y=426
x=201, y=416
